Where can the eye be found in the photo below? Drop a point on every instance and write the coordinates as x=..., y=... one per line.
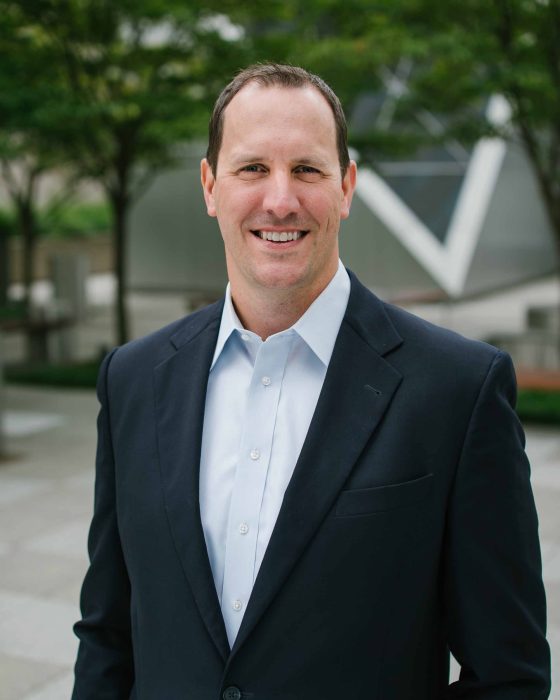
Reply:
x=252, y=171
x=308, y=173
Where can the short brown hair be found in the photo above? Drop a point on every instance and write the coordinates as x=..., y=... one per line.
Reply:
x=268, y=75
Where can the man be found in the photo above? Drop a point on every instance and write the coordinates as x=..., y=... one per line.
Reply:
x=303, y=493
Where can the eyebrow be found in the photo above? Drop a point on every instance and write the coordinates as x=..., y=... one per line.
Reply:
x=242, y=158
x=249, y=158
x=313, y=161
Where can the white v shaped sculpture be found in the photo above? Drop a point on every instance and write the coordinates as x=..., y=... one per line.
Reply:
x=448, y=262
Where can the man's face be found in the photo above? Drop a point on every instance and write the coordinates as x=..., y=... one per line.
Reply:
x=278, y=177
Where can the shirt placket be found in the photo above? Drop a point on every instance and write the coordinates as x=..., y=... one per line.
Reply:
x=250, y=478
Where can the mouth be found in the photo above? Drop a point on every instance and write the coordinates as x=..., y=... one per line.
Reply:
x=279, y=236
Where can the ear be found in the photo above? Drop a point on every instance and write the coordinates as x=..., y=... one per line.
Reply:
x=208, y=182
x=348, y=187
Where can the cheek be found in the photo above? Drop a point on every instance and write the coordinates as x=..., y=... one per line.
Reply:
x=327, y=206
x=234, y=207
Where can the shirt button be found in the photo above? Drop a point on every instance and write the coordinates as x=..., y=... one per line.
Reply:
x=245, y=337
x=266, y=381
x=255, y=454
x=243, y=528
x=237, y=605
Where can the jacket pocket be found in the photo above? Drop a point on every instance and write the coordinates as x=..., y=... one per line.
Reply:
x=383, y=498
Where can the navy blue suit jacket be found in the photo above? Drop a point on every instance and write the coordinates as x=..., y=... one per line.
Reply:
x=407, y=529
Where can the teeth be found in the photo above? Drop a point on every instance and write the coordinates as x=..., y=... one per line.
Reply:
x=280, y=236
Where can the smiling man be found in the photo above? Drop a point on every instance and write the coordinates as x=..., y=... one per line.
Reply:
x=279, y=190
x=303, y=493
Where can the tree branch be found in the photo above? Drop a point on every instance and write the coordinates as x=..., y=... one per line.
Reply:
x=10, y=180
x=529, y=138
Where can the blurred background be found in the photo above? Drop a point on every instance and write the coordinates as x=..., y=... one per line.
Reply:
x=454, y=120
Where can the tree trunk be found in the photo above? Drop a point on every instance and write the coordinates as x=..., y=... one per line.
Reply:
x=119, y=205
x=550, y=199
x=28, y=234
x=2, y=433
x=4, y=267
x=552, y=207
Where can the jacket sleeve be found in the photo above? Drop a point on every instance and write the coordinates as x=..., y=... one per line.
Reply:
x=104, y=668
x=493, y=591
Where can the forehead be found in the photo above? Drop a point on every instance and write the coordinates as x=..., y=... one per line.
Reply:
x=276, y=115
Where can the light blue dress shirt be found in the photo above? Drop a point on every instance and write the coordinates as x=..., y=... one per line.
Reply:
x=260, y=400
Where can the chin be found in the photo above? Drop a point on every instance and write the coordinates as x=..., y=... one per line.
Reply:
x=281, y=279
x=279, y=283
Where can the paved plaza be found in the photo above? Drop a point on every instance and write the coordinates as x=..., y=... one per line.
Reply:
x=46, y=497
x=45, y=507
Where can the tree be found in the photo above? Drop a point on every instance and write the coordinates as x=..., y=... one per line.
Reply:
x=471, y=50
x=31, y=129
x=458, y=54
x=454, y=55
x=142, y=76
x=5, y=230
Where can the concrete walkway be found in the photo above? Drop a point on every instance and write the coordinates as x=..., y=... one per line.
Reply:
x=45, y=506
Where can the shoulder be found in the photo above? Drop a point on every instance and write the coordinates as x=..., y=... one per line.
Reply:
x=428, y=338
x=143, y=354
x=417, y=347
x=448, y=358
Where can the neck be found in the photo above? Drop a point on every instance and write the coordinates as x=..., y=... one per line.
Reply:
x=273, y=311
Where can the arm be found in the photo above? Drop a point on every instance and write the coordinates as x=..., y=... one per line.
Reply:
x=494, y=595
x=104, y=668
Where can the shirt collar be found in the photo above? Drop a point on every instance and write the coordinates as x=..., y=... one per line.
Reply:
x=318, y=326
x=229, y=324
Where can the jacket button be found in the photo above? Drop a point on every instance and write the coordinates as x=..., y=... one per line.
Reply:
x=232, y=693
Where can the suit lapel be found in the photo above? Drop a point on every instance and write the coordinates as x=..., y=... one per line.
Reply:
x=180, y=389
x=357, y=390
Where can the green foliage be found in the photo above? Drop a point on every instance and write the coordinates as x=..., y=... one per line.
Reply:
x=77, y=375
x=8, y=225
x=539, y=406
x=106, y=88
x=32, y=99
x=12, y=311
x=75, y=220
x=139, y=78
x=126, y=80
x=450, y=57
x=129, y=81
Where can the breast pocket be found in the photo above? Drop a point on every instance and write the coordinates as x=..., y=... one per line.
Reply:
x=383, y=498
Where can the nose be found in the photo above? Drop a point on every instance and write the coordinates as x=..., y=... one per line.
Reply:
x=280, y=196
